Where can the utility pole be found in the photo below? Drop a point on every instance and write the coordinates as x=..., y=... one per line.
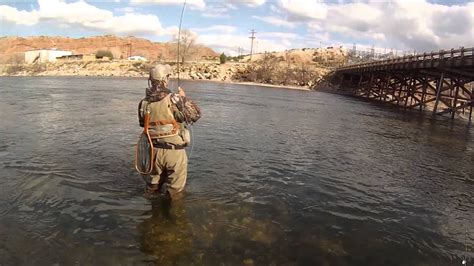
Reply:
x=251, y=46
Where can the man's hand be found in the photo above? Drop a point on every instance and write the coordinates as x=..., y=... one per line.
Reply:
x=181, y=92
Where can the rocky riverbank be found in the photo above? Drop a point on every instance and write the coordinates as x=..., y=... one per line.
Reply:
x=254, y=72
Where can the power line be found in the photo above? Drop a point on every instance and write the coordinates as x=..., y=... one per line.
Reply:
x=252, y=38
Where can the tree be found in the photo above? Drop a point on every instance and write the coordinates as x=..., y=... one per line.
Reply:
x=223, y=58
x=186, y=44
x=17, y=58
x=104, y=53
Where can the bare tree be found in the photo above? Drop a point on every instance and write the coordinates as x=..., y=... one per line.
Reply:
x=15, y=59
x=187, y=44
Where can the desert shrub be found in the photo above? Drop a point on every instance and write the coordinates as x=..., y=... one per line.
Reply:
x=14, y=69
x=16, y=59
x=272, y=71
x=222, y=58
x=104, y=53
x=37, y=68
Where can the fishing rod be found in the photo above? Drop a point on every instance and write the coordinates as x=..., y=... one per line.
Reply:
x=179, y=38
x=179, y=70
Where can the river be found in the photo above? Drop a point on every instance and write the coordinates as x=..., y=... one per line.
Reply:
x=276, y=177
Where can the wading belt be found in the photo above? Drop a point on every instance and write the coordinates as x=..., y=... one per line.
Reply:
x=167, y=146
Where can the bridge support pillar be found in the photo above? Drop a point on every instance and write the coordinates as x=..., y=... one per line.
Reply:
x=369, y=88
x=358, y=85
x=470, y=109
x=455, y=102
x=438, y=92
x=423, y=92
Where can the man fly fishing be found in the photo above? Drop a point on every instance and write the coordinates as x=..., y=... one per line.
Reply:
x=164, y=116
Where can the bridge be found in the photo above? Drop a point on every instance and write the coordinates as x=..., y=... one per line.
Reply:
x=441, y=82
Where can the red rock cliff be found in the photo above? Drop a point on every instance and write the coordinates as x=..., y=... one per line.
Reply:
x=12, y=48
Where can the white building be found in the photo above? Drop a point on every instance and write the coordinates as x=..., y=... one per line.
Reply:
x=43, y=56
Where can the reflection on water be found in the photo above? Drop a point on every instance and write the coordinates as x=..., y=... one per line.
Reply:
x=276, y=177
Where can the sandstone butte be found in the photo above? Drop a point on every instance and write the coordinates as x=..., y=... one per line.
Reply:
x=14, y=47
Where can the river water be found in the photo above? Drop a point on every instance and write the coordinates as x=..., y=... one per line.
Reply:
x=276, y=177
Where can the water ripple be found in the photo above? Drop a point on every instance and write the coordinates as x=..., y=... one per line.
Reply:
x=277, y=177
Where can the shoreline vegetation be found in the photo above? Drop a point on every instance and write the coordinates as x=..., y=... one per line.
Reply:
x=238, y=73
x=295, y=69
x=232, y=73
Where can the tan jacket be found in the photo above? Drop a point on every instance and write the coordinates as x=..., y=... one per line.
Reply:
x=164, y=126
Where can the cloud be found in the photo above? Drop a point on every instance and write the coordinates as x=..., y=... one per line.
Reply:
x=216, y=11
x=220, y=9
x=229, y=43
x=225, y=29
x=300, y=10
x=251, y=3
x=199, y=4
x=127, y=9
x=276, y=21
x=415, y=25
x=83, y=15
x=18, y=17
x=278, y=35
x=233, y=4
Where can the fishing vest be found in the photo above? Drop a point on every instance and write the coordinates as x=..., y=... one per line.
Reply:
x=162, y=121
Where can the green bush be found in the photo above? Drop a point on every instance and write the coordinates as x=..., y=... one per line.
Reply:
x=223, y=58
x=104, y=53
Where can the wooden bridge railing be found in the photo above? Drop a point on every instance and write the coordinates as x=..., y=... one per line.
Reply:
x=453, y=54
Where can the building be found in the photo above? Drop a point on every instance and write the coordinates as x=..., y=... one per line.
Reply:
x=44, y=56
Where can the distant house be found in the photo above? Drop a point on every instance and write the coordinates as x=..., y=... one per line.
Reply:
x=44, y=55
x=77, y=57
x=137, y=58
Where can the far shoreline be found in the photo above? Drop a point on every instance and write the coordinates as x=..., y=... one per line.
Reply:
x=245, y=83
x=248, y=83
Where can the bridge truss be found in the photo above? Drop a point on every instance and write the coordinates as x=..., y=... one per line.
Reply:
x=442, y=82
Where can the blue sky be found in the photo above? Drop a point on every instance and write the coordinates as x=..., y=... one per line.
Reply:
x=280, y=24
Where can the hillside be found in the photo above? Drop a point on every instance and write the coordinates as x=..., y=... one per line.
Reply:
x=12, y=48
x=327, y=56
x=296, y=67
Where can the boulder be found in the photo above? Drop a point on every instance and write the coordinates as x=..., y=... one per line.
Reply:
x=194, y=75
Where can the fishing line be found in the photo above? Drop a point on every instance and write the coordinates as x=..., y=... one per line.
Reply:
x=179, y=70
x=179, y=37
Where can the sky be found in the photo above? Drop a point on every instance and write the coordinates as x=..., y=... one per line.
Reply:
x=225, y=25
